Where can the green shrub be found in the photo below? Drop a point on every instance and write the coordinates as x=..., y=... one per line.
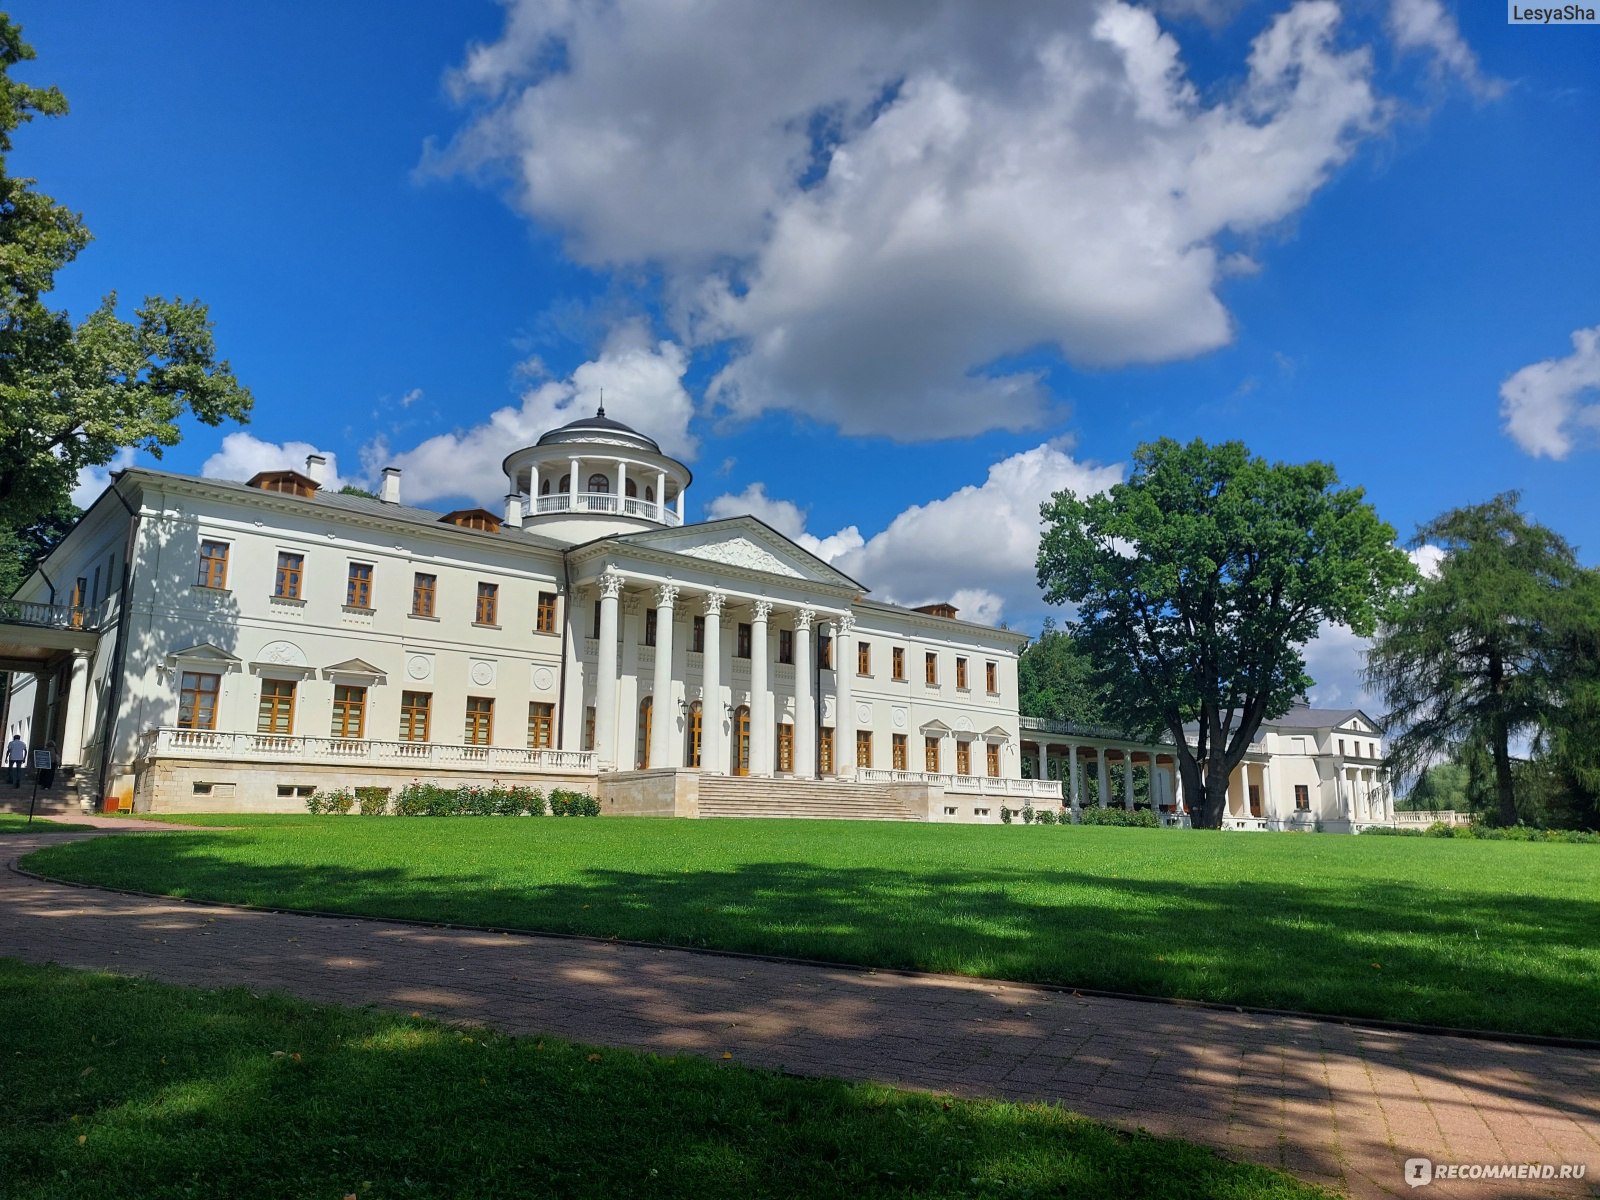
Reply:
x=1005, y=815
x=1391, y=831
x=1028, y=814
x=565, y=803
x=477, y=801
x=1045, y=816
x=340, y=801
x=373, y=801
x=314, y=803
x=1139, y=818
x=529, y=801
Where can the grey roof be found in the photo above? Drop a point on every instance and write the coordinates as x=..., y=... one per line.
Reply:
x=361, y=506
x=1303, y=716
x=578, y=431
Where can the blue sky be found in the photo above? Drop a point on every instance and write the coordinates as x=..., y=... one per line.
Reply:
x=888, y=274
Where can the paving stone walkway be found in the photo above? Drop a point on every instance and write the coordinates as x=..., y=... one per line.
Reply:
x=1336, y=1105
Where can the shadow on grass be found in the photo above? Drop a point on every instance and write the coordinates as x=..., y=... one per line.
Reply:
x=132, y=1089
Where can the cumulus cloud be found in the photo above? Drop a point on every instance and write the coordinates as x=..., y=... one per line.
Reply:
x=1427, y=25
x=875, y=206
x=641, y=380
x=1337, y=659
x=243, y=455
x=975, y=547
x=92, y=481
x=1552, y=405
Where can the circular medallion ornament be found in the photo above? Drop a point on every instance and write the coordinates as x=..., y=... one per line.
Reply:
x=899, y=718
x=283, y=654
x=863, y=714
x=482, y=673
x=418, y=666
x=544, y=679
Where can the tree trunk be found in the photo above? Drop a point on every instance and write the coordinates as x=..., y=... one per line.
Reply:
x=1216, y=801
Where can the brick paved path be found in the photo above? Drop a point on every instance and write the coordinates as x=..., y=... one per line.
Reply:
x=1339, y=1106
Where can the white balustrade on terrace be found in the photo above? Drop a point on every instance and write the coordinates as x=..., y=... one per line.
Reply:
x=978, y=785
x=169, y=742
x=605, y=502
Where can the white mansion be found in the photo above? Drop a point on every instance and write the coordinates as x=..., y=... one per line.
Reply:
x=204, y=645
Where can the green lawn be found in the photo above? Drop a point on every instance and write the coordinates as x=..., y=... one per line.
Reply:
x=1492, y=935
x=128, y=1089
x=12, y=823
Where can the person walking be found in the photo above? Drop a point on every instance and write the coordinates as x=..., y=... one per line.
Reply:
x=47, y=775
x=16, y=759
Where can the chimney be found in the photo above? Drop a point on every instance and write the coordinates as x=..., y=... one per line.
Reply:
x=513, y=510
x=389, y=490
x=314, y=468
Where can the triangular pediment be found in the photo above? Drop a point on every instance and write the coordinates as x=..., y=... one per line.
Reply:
x=745, y=543
x=204, y=652
x=354, y=667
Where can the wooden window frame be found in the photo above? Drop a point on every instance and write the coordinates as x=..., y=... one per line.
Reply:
x=961, y=673
x=784, y=748
x=544, y=620
x=487, y=612
x=213, y=565
x=864, y=748
x=478, y=721
x=991, y=678
x=694, y=729
x=541, y=725
x=930, y=668
x=416, y=716
x=825, y=750
x=192, y=694
x=652, y=625
x=290, y=576
x=991, y=760
x=744, y=640
x=358, y=586
x=424, y=595
x=349, y=711
x=741, y=740
x=275, y=708
x=647, y=713
x=899, y=752
x=786, y=647
x=963, y=757
x=825, y=652
x=898, y=660
x=931, y=755
x=1302, y=797
x=863, y=658
x=697, y=635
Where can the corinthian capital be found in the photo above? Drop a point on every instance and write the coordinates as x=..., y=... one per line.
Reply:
x=714, y=603
x=845, y=625
x=611, y=583
x=803, y=619
x=666, y=595
x=763, y=609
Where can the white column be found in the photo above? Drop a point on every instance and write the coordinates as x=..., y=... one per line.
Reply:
x=663, y=746
x=661, y=496
x=1127, y=780
x=680, y=505
x=605, y=684
x=711, y=754
x=77, y=698
x=572, y=480
x=1074, y=795
x=844, y=707
x=572, y=695
x=1266, y=790
x=805, y=711
x=760, y=698
x=1103, y=778
x=622, y=485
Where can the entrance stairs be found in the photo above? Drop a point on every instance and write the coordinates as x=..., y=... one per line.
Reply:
x=61, y=799
x=801, y=799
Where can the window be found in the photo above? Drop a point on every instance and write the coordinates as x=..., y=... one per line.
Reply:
x=930, y=668
x=541, y=725
x=786, y=646
x=1302, y=797
x=825, y=652
x=276, y=712
x=963, y=758
x=479, y=730
x=991, y=678
x=646, y=708
x=741, y=740
x=825, y=750
x=197, y=700
x=422, y=594
x=651, y=618
x=863, y=747
x=488, y=604
x=697, y=636
x=992, y=760
x=742, y=645
x=594, y=629
x=863, y=658
x=961, y=674
x=899, y=659
x=691, y=757
x=930, y=755
x=600, y=485
x=545, y=621
x=349, y=711
x=416, y=713
x=358, y=590
x=213, y=565
x=785, y=747
x=588, y=728
x=1341, y=745
x=899, y=752
x=286, y=586
x=80, y=595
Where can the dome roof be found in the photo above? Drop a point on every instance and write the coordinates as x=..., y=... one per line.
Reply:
x=600, y=427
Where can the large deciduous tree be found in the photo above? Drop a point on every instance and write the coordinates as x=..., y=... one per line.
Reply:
x=72, y=395
x=1498, y=645
x=1055, y=679
x=1197, y=582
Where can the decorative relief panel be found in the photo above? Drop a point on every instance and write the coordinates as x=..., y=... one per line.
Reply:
x=863, y=714
x=283, y=654
x=419, y=666
x=742, y=552
x=481, y=672
x=544, y=679
x=900, y=718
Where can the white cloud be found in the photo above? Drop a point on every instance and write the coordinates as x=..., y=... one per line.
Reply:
x=1428, y=25
x=1337, y=659
x=975, y=548
x=877, y=205
x=243, y=455
x=1551, y=405
x=642, y=382
x=410, y=397
x=92, y=481
x=1426, y=558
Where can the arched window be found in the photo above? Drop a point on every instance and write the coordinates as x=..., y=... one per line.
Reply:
x=566, y=484
x=649, y=494
x=741, y=740
x=691, y=755
x=599, y=484
x=544, y=488
x=646, y=710
x=632, y=488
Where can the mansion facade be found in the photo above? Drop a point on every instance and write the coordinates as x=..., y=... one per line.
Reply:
x=205, y=645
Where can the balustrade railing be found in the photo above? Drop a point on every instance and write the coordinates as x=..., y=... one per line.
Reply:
x=55, y=616
x=979, y=785
x=169, y=742
x=605, y=502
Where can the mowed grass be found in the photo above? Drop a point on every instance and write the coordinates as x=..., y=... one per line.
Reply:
x=1488, y=935
x=13, y=823
x=128, y=1089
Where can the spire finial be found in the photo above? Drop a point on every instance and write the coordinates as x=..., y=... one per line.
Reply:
x=602, y=411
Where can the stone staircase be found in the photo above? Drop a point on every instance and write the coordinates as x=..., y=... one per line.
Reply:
x=804, y=799
x=59, y=800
